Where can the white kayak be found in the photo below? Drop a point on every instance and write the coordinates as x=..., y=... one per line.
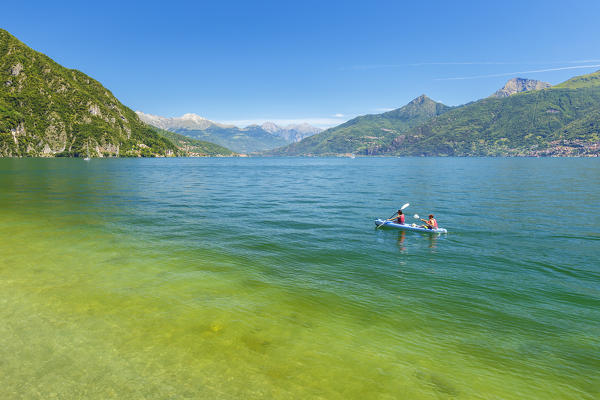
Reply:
x=408, y=227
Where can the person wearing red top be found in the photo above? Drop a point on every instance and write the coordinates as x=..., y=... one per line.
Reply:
x=400, y=217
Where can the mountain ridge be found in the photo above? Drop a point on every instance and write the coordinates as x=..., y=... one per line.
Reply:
x=561, y=120
x=249, y=139
x=581, y=81
x=363, y=134
x=48, y=110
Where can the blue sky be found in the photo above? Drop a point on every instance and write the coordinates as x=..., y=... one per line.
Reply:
x=317, y=61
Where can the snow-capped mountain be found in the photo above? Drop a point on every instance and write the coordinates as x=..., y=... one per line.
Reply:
x=252, y=138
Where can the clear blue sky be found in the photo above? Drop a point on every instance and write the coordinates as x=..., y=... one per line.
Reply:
x=307, y=60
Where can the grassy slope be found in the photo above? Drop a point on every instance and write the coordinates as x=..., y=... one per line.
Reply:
x=581, y=81
x=49, y=110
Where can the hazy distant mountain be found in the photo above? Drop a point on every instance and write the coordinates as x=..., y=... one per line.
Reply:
x=191, y=147
x=293, y=132
x=186, y=121
x=250, y=139
x=518, y=85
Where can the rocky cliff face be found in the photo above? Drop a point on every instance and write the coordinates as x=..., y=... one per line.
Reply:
x=48, y=110
x=518, y=85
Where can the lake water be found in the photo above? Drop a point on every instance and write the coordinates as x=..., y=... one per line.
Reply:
x=227, y=278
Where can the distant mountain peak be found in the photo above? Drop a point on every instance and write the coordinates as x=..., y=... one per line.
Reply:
x=270, y=127
x=304, y=128
x=417, y=101
x=186, y=121
x=193, y=117
x=422, y=98
x=518, y=85
x=422, y=106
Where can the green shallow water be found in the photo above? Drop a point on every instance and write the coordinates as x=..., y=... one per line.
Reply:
x=265, y=278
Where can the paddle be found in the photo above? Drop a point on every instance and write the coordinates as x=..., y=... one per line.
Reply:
x=416, y=216
x=395, y=215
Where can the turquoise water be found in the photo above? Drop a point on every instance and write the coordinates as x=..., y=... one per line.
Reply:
x=266, y=278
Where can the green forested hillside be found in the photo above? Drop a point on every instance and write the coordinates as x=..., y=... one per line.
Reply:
x=48, y=110
x=563, y=120
x=555, y=121
x=193, y=147
x=366, y=134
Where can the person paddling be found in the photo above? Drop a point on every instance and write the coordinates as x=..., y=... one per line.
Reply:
x=431, y=223
x=397, y=218
x=400, y=217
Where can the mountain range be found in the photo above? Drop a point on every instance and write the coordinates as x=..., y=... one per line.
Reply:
x=48, y=110
x=251, y=139
x=529, y=118
x=368, y=133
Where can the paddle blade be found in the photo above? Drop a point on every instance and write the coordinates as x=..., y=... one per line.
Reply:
x=416, y=216
x=404, y=206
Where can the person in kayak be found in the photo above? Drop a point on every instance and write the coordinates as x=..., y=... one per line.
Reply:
x=400, y=217
x=431, y=223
